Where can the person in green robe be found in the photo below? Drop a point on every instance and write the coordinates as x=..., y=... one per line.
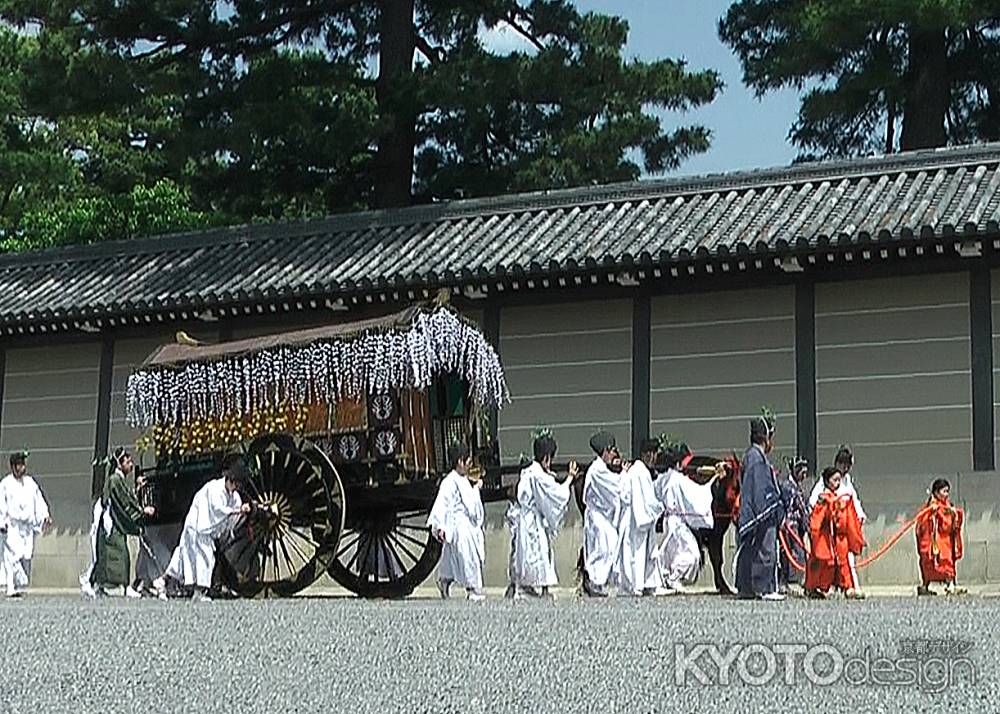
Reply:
x=121, y=516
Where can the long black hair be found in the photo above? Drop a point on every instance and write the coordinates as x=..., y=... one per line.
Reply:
x=844, y=457
x=938, y=484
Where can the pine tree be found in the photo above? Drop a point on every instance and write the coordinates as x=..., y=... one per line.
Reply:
x=877, y=75
x=291, y=107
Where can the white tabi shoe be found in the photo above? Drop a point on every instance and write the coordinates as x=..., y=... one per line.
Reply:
x=131, y=593
x=772, y=597
x=475, y=596
x=200, y=597
x=160, y=588
x=678, y=587
x=663, y=592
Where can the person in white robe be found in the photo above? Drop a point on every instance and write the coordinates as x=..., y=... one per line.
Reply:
x=843, y=462
x=639, y=568
x=24, y=514
x=215, y=508
x=456, y=520
x=602, y=500
x=101, y=518
x=687, y=505
x=541, y=507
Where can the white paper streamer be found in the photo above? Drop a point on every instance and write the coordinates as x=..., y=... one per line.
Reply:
x=436, y=343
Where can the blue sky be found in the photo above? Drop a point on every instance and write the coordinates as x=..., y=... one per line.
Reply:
x=746, y=132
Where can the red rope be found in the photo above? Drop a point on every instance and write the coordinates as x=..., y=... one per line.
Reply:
x=882, y=549
x=796, y=537
x=785, y=527
x=871, y=558
x=788, y=551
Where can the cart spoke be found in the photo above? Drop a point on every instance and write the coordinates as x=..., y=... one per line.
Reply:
x=411, y=539
x=406, y=550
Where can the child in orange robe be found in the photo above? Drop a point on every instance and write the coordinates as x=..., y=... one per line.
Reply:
x=939, y=540
x=834, y=532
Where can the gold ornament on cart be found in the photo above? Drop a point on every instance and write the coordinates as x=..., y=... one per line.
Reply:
x=203, y=435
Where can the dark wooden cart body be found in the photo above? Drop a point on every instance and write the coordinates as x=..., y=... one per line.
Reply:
x=377, y=458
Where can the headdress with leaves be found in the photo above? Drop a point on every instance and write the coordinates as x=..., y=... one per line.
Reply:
x=541, y=433
x=668, y=441
x=767, y=414
x=675, y=446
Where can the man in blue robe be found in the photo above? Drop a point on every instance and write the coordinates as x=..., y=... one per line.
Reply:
x=761, y=512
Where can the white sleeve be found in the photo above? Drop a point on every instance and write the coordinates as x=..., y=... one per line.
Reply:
x=478, y=512
x=646, y=507
x=469, y=500
x=551, y=500
x=4, y=511
x=626, y=485
x=41, y=508
x=814, y=496
x=219, y=509
x=440, y=515
x=849, y=488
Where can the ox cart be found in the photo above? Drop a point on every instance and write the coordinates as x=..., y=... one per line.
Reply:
x=344, y=429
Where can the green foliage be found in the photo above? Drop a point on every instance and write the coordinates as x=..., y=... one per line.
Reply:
x=287, y=138
x=33, y=165
x=71, y=170
x=161, y=208
x=270, y=109
x=572, y=112
x=877, y=75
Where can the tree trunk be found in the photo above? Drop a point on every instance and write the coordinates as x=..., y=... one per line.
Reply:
x=396, y=103
x=988, y=128
x=928, y=91
x=890, y=126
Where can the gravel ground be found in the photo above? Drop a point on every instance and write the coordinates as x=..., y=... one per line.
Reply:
x=64, y=654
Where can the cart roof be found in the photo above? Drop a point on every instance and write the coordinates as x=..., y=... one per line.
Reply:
x=404, y=350
x=175, y=354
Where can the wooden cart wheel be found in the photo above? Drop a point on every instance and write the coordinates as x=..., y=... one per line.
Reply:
x=291, y=537
x=385, y=555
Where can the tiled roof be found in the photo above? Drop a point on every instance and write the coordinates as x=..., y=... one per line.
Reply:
x=928, y=196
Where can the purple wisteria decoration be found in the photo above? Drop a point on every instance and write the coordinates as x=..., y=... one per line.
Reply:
x=374, y=361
